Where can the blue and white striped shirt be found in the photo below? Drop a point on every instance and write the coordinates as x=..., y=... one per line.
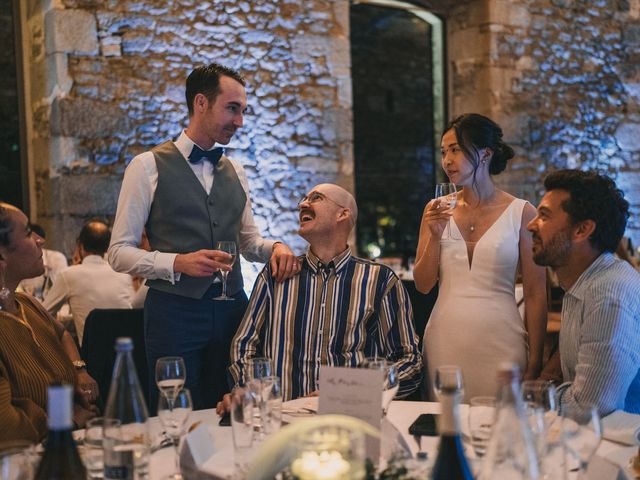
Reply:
x=600, y=338
x=337, y=315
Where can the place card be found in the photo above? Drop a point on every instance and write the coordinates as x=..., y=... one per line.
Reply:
x=198, y=447
x=356, y=392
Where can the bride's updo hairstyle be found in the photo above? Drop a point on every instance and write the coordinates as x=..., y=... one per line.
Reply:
x=475, y=132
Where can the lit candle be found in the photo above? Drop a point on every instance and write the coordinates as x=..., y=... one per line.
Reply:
x=320, y=466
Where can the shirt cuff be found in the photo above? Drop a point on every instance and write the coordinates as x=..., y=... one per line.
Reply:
x=267, y=248
x=163, y=265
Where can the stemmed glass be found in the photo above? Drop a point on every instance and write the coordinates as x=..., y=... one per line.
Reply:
x=170, y=376
x=581, y=433
x=271, y=404
x=391, y=383
x=448, y=377
x=173, y=416
x=230, y=248
x=447, y=193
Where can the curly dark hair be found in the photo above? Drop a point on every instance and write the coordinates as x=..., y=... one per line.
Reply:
x=206, y=80
x=475, y=132
x=593, y=196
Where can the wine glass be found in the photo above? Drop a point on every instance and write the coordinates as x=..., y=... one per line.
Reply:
x=581, y=433
x=170, y=376
x=447, y=193
x=448, y=378
x=391, y=383
x=173, y=415
x=230, y=248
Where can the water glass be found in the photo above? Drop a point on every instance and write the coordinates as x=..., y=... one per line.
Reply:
x=539, y=398
x=482, y=411
x=173, y=415
x=258, y=367
x=581, y=433
x=93, y=449
x=391, y=383
x=448, y=377
x=271, y=405
x=242, y=425
x=18, y=461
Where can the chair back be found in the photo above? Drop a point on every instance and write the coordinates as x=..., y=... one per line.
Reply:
x=101, y=329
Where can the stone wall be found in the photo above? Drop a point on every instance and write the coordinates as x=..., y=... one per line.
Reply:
x=107, y=77
x=115, y=76
x=563, y=79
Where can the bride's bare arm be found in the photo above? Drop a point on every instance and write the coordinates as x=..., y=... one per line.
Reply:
x=434, y=221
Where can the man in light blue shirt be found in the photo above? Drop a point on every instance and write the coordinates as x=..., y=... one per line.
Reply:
x=580, y=222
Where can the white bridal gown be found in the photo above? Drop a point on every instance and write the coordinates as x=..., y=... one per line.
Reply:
x=475, y=322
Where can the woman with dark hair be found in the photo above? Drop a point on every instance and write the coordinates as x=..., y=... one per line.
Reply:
x=475, y=322
x=35, y=350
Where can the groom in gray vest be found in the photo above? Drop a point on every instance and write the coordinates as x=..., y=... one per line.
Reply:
x=189, y=195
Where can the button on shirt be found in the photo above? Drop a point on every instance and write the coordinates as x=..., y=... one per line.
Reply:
x=136, y=195
x=334, y=314
x=600, y=338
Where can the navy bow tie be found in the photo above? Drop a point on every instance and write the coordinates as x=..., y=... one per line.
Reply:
x=212, y=155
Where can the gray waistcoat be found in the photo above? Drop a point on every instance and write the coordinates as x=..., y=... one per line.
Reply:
x=184, y=218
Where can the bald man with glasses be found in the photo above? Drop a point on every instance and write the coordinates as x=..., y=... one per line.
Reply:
x=337, y=311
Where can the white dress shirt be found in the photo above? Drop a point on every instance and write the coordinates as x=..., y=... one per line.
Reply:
x=138, y=189
x=92, y=284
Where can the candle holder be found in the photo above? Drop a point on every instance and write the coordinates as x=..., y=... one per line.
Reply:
x=330, y=452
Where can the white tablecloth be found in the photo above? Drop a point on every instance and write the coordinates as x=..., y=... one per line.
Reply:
x=400, y=413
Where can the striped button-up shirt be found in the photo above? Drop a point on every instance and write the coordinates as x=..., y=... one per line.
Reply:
x=336, y=314
x=600, y=338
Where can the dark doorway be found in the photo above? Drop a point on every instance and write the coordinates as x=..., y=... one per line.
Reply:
x=11, y=178
x=393, y=108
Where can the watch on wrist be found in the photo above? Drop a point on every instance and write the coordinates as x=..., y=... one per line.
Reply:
x=79, y=364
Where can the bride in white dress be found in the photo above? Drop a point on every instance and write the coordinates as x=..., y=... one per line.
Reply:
x=475, y=322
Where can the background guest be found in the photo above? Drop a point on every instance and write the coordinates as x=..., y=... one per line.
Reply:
x=475, y=322
x=35, y=350
x=92, y=283
x=53, y=260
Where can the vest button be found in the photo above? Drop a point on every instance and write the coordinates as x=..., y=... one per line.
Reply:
x=215, y=224
x=210, y=202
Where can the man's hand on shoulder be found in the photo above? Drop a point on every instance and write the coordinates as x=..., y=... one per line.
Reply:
x=202, y=263
x=284, y=263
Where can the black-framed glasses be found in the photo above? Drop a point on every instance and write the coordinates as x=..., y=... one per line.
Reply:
x=315, y=197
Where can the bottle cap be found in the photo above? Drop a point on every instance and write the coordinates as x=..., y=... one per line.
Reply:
x=59, y=407
x=124, y=344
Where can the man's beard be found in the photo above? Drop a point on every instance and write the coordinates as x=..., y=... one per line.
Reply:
x=555, y=253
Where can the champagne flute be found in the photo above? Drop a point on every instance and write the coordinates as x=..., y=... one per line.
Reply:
x=447, y=193
x=242, y=416
x=581, y=433
x=173, y=416
x=230, y=248
x=170, y=376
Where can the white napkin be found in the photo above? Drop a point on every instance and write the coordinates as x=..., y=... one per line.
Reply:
x=622, y=427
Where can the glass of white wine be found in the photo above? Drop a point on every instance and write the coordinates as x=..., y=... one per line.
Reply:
x=230, y=248
x=171, y=374
x=448, y=195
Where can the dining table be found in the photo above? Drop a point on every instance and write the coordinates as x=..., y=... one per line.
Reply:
x=400, y=415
